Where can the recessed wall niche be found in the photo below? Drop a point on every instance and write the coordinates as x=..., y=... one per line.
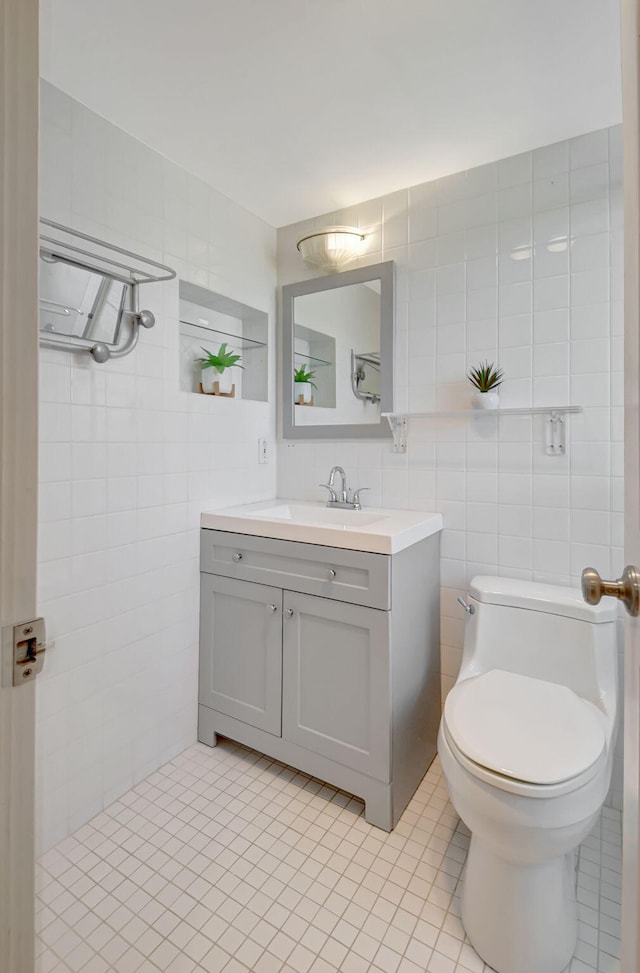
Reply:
x=315, y=351
x=208, y=320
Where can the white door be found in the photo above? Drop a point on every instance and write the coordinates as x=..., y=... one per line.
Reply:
x=631, y=858
x=18, y=464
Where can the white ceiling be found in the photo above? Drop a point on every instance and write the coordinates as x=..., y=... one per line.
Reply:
x=299, y=107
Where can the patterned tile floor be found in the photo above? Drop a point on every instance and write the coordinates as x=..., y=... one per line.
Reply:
x=227, y=860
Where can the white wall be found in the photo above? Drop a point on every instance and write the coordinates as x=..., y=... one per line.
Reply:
x=127, y=463
x=521, y=262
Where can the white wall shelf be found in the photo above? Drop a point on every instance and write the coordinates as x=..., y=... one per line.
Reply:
x=555, y=444
x=311, y=358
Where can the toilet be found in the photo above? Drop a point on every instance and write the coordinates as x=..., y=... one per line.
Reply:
x=526, y=745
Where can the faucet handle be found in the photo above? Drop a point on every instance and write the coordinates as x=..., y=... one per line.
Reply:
x=332, y=493
x=355, y=496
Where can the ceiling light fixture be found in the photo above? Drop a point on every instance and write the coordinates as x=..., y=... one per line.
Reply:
x=521, y=253
x=331, y=247
x=557, y=244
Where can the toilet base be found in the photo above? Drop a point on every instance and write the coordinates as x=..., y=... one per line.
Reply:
x=520, y=917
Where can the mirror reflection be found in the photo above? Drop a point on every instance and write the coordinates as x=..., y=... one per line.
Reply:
x=338, y=334
x=337, y=342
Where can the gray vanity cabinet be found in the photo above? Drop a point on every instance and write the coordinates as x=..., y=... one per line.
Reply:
x=241, y=650
x=324, y=658
x=335, y=681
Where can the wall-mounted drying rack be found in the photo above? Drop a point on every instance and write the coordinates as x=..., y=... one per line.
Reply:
x=77, y=255
x=555, y=423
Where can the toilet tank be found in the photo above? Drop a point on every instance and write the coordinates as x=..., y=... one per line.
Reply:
x=545, y=631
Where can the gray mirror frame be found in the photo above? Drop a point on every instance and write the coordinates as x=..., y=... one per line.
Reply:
x=385, y=273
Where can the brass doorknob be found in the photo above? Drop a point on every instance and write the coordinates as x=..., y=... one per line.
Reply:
x=626, y=588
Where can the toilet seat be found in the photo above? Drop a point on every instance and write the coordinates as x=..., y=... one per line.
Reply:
x=524, y=734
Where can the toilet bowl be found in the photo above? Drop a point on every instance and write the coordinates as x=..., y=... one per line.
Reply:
x=526, y=745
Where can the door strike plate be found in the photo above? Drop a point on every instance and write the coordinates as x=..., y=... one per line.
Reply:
x=29, y=644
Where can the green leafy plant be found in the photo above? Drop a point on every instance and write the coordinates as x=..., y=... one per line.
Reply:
x=485, y=376
x=219, y=360
x=303, y=375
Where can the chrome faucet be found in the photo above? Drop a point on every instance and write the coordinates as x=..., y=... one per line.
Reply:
x=345, y=499
x=332, y=476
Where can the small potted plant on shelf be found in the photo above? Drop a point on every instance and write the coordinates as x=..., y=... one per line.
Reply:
x=487, y=379
x=215, y=370
x=303, y=383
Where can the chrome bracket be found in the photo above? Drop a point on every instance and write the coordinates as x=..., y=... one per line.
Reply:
x=29, y=644
x=555, y=442
x=398, y=426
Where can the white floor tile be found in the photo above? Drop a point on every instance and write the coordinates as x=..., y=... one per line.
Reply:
x=227, y=860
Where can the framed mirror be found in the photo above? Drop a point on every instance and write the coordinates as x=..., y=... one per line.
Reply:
x=338, y=354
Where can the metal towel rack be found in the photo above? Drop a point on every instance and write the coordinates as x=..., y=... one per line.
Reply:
x=62, y=244
x=358, y=374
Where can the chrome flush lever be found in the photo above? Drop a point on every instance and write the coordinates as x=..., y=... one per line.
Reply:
x=468, y=607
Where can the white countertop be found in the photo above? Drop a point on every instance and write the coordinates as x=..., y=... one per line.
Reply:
x=371, y=529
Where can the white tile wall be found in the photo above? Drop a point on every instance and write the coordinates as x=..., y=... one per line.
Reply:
x=519, y=262
x=127, y=464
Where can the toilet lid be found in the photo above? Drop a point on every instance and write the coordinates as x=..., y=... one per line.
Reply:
x=524, y=728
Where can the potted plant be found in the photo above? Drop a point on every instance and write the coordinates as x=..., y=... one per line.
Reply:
x=486, y=378
x=303, y=383
x=215, y=367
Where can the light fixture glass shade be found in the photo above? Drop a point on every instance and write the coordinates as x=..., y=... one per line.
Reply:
x=332, y=247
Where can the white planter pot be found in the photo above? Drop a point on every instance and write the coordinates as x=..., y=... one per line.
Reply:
x=303, y=389
x=206, y=379
x=225, y=379
x=485, y=400
x=212, y=375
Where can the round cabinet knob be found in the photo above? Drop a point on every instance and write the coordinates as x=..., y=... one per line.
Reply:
x=331, y=574
x=289, y=612
x=237, y=557
x=273, y=608
x=626, y=588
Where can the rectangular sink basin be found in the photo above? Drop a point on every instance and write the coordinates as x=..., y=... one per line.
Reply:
x=376, y=530
x=302, y=514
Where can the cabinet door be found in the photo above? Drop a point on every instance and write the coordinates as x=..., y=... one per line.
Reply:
x=241, y=650
x=336, y=682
